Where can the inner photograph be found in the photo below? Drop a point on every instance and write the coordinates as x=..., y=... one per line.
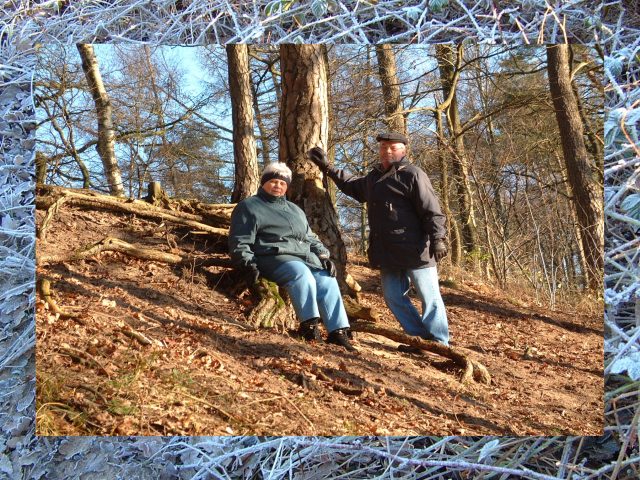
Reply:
x=319, y=240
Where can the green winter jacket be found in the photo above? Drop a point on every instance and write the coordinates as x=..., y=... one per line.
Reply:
x=267, y=231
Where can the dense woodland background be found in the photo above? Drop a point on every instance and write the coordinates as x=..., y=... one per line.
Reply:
x=511, y=137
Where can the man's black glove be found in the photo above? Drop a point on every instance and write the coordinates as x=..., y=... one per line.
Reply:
x=250, y=275
x=329, y=266
x=439, y=249
x=319, y=157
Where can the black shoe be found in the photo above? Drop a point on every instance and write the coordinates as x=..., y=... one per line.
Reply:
x=340, y=337
x=409, y=349
x=309, y=330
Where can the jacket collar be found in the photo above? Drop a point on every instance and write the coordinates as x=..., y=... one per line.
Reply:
x=393, y=168
x=267, y=197
x=404, y=161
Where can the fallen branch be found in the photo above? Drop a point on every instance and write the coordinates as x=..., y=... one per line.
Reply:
x=112, y=244
x=80, y=355
x=473, y=370
x=131, y=333
x=224, y=413
x=49, y=196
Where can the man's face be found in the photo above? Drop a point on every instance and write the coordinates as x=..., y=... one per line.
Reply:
x=391, y=151
x=275, y=187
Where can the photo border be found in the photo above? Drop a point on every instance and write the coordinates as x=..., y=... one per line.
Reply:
x=24, y=454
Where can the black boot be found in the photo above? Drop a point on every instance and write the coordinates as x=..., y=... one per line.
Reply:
x=309, y=330
x=340, y=337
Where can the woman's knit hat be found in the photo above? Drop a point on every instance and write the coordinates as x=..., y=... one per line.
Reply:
x=276, y=170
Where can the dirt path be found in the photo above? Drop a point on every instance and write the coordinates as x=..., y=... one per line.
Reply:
x=206, y=373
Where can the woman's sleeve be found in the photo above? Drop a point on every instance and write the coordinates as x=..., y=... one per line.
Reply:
x=242, y=236
x=317, y=246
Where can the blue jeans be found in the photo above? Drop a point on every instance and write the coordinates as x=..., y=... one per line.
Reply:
x=314, y=293
x=432, y=324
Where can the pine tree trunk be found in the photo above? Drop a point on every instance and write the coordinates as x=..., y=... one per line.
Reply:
x=390, y=88
x=582, y=176
x=106, y=132
x=447, y=64
x=244, y=145
x=304, y=121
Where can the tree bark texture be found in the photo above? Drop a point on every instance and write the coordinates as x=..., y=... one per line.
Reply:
x=446, y=55
x=106, y=133
x=244, y=144
x=304, y=122
x=581, y=172
x=41, y=167
x=390, y=88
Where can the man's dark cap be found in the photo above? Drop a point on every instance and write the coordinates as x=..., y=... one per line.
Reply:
x=392, y=137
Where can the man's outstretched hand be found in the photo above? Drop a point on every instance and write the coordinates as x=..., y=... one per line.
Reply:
x=319, y=157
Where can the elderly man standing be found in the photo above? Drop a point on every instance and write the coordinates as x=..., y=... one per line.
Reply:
x=407, y=234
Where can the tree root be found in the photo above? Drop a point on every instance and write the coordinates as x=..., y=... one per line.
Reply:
x=358, y=312
x=44, y=288
x=51, y=211
x=273, y=309
x=472, y=370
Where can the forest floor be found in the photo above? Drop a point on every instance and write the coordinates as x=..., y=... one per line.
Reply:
x=206, y=372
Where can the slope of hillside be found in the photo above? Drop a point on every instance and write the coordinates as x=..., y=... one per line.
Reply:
x=160, y=350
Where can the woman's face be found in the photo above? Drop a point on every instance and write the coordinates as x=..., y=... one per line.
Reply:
x=275, y=187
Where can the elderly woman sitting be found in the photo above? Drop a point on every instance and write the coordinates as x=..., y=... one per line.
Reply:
x=270, y=236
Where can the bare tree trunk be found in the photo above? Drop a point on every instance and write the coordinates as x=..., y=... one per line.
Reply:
x=265, y=149
x=158, y=109
x=593, y=144
x=452, y=224
x=276, y=78
x=106, y=133
x=331, y=150
x=577, y=234
x=41, y=167
x=587, y=192
x=244, y=144
x=448, y=62
x=304, y=121
x=390, y=88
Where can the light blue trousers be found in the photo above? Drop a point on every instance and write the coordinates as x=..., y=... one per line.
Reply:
x=313, y=292
x=432, y=323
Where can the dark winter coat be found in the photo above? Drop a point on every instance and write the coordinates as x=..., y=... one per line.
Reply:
x=403, y=210
x=267, y=231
